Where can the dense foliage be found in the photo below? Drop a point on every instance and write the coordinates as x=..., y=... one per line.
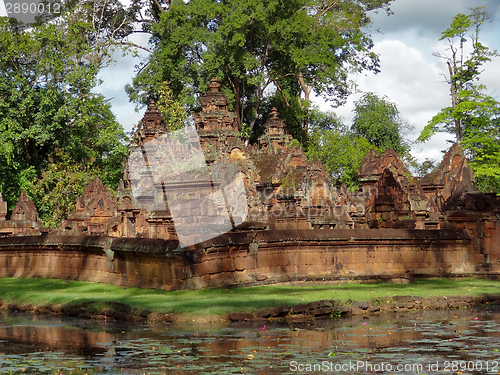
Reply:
x=171, y=110
x=339, y=149
x=48, y=108
x=294, y=46
x=378, y=120
x=265, y=53
x=58, y=187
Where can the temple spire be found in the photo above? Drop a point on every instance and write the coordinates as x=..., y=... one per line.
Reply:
x=152, y=124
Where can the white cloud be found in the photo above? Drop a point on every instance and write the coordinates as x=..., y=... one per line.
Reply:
x=411, y=75
x=490, y=77
x=115, y=78
x=429, y=17
x=407, y=78
x=411, y=80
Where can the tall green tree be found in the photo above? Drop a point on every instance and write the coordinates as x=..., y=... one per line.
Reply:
x=473, y=116
x=47, y=104
x=480, y=113
x=464, y=71
x=297, y=46
x=378, y=120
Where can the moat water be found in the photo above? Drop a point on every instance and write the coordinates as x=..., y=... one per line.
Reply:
x=437, y=342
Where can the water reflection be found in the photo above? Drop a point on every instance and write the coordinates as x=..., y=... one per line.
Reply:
x=465, y=341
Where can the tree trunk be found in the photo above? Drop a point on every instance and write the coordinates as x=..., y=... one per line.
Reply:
x=238, y=107
x=256, y=105
x=454, y=103
x=307, y=94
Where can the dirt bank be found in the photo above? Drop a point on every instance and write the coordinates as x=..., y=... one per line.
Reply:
x=115, y=311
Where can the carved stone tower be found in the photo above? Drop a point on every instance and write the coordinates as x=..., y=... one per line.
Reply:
x=275, y=136
x=152, y=125
x=215, y=124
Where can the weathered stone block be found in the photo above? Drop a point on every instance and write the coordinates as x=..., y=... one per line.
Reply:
x=239, y=263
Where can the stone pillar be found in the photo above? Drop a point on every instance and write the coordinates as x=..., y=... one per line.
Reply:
x=3, y=208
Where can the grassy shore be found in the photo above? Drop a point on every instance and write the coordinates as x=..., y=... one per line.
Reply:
x=220, y=302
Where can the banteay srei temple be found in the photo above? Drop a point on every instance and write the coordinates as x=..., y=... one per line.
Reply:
x=221, y=211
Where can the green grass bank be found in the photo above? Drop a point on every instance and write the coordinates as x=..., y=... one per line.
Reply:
x=46, y=292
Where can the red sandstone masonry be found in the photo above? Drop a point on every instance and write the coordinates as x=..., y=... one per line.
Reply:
x=296, y=193
x=279, y=180
x=239, y=258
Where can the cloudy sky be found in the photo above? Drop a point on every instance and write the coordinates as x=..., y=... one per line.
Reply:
x=411, y=76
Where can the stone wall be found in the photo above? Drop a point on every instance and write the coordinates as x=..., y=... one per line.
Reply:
x=294, y=223
x=243, y=258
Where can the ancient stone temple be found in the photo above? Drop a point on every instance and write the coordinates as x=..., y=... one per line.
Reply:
x=282, y=189
x=216, y=126
x=403, y=201
x=275, y=137
x=390, y=207
x=143, y=215
x=23, y=219
x=25, y=209
x=95, y=212
x=200, y=207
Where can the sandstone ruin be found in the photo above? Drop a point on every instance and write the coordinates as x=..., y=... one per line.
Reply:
x=291, y=208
